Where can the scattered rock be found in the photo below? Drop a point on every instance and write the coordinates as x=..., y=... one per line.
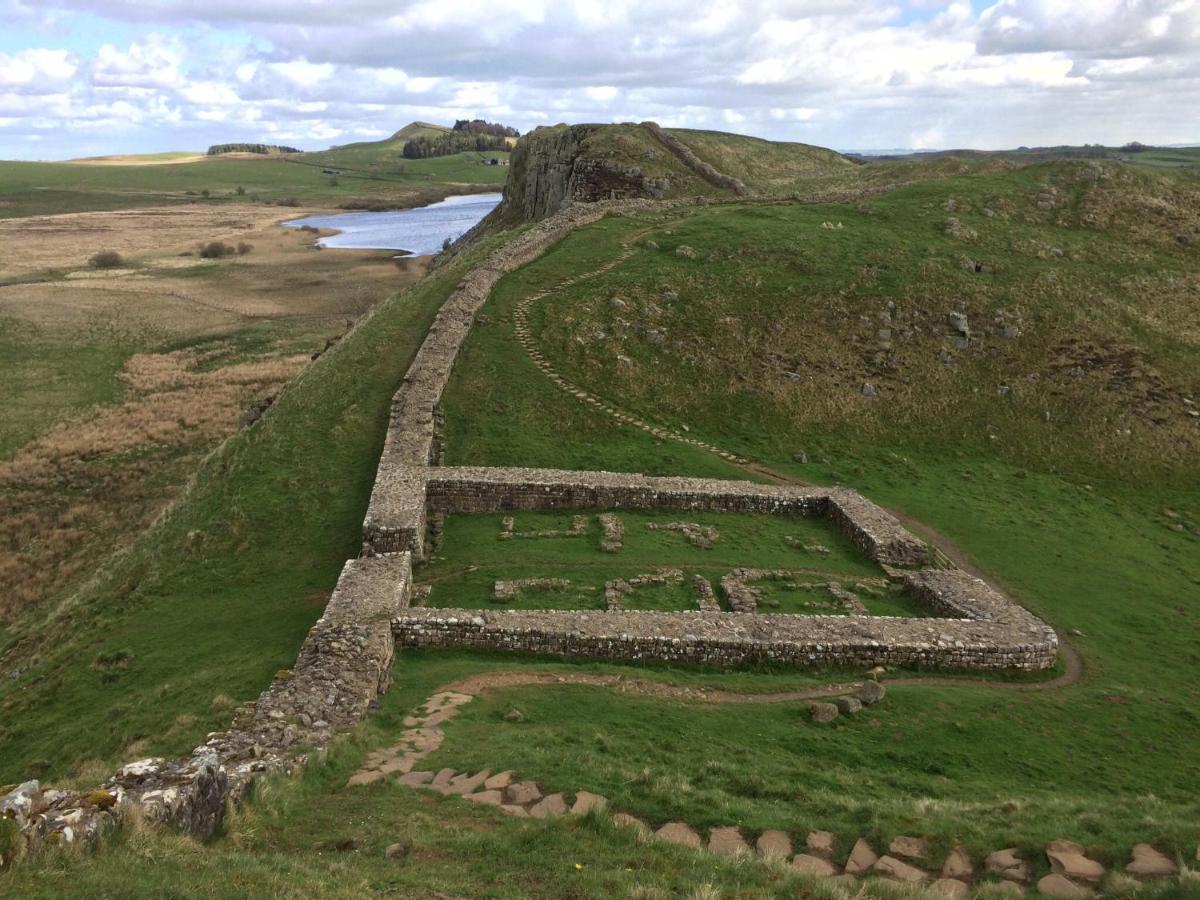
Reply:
x=679, y=833
x=848, y=706
x=514, y=715
x=727, y=840
x=585, y=802
x=686, y=252
x=871, y=693
x=898, y=870
x=499, y=781
x=821, y=842
x=800, y=456
x=550, y=806
x=1056, y=885
x=862, y=857
x=823, y=713
x=910, y=847
x=869, y=391
x=1067, y=858
x=813, y=865
x=1008, y=865
x=397, y=850
x=1147, y=862
x=624, y=820
x=774, y=843
x=522, y=793
x=957, y=865
x=949, y=887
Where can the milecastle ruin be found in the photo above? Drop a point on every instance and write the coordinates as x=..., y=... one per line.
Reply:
x=346, y=659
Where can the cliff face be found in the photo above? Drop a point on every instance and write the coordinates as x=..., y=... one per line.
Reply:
x=552, y=167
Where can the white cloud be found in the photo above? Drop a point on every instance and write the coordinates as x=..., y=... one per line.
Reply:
x=848, y=73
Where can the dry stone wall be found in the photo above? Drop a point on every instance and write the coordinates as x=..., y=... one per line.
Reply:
x=734, y=639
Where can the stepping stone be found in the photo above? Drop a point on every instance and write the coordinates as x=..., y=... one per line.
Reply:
x=548, y=807
x=1007, y=865
x=949, y=887
x=365, y=777
x=1056, y=885
x=898, y=870
x=392, y=766
x=1149, y=863
x=911, y=847
x=486, y=798
x=522, y=793
x=625, y=820
x=519, y=811
x=679, y=833
x=862, y=857
x=774, y=843
x=727, y=840
x=813, y=865
x=416, y=779
x=957, y=865
x=1067, y=858
x=442, y=778
x=466, y=784
x=821, y=842
x=499, y=781
x=585, y=802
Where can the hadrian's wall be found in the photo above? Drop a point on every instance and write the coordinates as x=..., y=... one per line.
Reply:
x=736, y=639
x=395, y=518
x=477, y=489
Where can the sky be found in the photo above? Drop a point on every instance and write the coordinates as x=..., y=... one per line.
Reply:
x=91, y=77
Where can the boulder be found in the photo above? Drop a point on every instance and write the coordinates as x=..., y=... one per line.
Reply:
x=1008, y=865
x=910, y=847
x=774, y=843
x=727, y=840
x=500, y=781
x=1067, y=858
x=523, y=792
x=871, y=692
x=898, y=870
x=848, y=706
x=861, y=858
x=585, y=802
x=821, y=842
x=813, y=865
x=957, y=865
x=679, y=833
x=486, y=798
x=823, y=713
x=550, y=806
x=625, y=820
x=1147, y=862
x=1057, y=885
x=949, y=887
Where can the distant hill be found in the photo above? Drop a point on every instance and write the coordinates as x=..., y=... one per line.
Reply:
x=1135, y=153
x=420, y=130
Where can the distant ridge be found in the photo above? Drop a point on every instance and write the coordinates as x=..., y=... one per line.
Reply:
x=420, y=129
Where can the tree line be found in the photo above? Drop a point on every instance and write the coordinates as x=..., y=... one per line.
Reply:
x=260, y=149
x=479, y=126
x=454, y=142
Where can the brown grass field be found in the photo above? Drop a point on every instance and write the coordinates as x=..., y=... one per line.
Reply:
x=182, y=347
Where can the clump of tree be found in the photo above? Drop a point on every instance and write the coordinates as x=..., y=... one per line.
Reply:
x=260, y=149
x=454, y=142
x=219, y=249
x=479, y=126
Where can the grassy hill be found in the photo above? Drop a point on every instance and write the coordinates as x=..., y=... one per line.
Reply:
x=1028, y=338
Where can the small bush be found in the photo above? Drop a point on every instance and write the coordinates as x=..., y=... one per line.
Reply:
x=216, y=250
x=107, y=259
x=205, y=193
x=241, y=191
x=243, y=248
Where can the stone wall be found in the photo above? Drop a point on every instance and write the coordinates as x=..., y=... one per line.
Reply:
x=395, y=518
x=732, y=639
x=344, y=664
x=477, y=489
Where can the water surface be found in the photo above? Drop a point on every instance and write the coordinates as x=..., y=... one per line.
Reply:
x=415, y=232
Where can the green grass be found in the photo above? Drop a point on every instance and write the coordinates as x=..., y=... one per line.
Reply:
x=220, y=595
x=36, y=188
x=46, y=378
x=473, y=557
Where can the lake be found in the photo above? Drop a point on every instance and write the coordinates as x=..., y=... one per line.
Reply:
x=413, y=232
